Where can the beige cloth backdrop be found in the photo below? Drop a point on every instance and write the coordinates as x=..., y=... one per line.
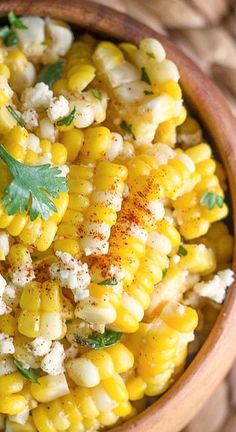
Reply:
x=206, y=31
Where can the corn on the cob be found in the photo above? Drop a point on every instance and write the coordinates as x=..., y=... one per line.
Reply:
x=194, y=219
x=159, y=348
x=85, y=408
x=41, y=313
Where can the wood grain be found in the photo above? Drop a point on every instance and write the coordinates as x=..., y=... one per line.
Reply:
x=182, y=401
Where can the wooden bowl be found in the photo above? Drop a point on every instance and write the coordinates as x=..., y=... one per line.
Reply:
x=178, y=405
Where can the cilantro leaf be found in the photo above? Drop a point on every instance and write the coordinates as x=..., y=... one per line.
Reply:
x=8, y=36
x=15, y=21
x=144, y=76
x=16, y=116
x=30, y=374
x=66, y=121
x=210, y=200
x=147, y=92
x=127, y=128
x=164, y=272
x=31, y=187
x=99, y=340
x=51, y=73
x=109, y=282
x=182, y=251
x=97, y=94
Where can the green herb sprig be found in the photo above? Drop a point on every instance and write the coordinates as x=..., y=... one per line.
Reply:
x=127, y=128
x=15, y=21
x=108, y=282
x=51, y=73
x=210, y=200
x=182, y=251
x=30, y=374
x=99, y=340
x=144, y=76
x=8, y=34
x=16, y=116
x=31, y=187
x=97, y=94
x=66, y=121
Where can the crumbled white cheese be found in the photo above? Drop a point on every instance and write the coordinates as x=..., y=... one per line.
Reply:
x=7, y=365
x=11, y=295
x=6, y=344
x=52, y=363
x=3, y=307
x=215, y=289
x=157, y=209
x=30, y=117
x=23, y=275
x=176, y=259
x=72, y=351
x=31, y=40
x=162, y=153
x=34, y=143
x=47, y=130
x=72, y=274
x=115, y=147
x=40, y=346
x=61, y=36
x=58, y=107
x=4, y=244
x=38, y=96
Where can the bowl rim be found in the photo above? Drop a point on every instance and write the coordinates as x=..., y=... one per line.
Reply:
x=178, y=405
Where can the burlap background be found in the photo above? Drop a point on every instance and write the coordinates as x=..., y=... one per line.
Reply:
x=206, y=31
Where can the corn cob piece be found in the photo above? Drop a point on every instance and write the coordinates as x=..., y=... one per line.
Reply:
x=137, y=296
x=98, y=365
x=194, y=219
x=41, y=314
x=97, y=141
x=159, y=348
x=22, y=71
x=85, y=409
x=159, y=95
x=106, y=201
x=29, y=149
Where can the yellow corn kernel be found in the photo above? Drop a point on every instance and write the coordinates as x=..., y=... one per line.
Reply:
x=96, y=143
x=67, y=245
x=49, y=229
x=11, y=383
x=16, y=141
x=198, y=259
x=49, y=388
x=16, y=61
x=73, y=141
x=59, y=87
x=106, y=56
x=17, y=427
x=7, y=324
x=5, y=71
x=181, y=318
x=136, y=387
x=12, y=404
x=172, y=88
x=80, y=79
x=199, y=153
x=59, y=154
x=18, y=224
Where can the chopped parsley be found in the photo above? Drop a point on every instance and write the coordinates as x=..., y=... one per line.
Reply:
x=16, y=22
x=182, y=251
x=150, y=54
x=31, y=187
x=16, y=116
x=97, y=94
x=30, y=374
x=144, y=76
x=210, y=200
x=66, y=121
x=147, y=92
x=99, y=340
x=51, y=73
x=127, y=128
x=164, y=272
x=108, y=282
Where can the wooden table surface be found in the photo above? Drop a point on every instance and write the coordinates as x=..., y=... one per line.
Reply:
x=206, y=31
